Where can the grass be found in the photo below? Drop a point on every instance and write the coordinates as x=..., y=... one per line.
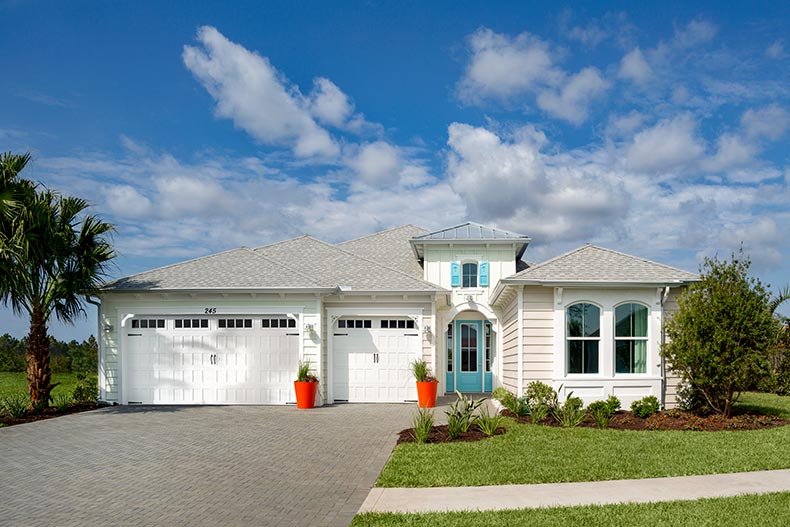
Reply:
x=541, y=454
x=16, y=382
x=764, y=510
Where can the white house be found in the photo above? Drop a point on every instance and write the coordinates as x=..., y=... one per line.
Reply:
x=230, y=328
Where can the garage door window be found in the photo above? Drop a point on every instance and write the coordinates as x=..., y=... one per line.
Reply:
x=237, y=323
x=191, y=323
x=397, y=324
x=278, y=323
x=150, y=323
x=355, y=324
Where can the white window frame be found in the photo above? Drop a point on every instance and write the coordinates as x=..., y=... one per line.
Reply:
x=615, y=338
x=598, y=339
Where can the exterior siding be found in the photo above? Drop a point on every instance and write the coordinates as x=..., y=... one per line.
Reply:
x=501, y=259
x=538, y=324
x=672, y=380
x=509, y=354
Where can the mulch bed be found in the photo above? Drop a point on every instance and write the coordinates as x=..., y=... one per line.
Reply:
x=48, y=413
x=439, y=435
x=676, y=420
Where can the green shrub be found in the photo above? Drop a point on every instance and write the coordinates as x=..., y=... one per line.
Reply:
x=570, y=413
x=518, y=405
x=538, y=393
x=62, y=401
x=488, y=423
x=645, y=407
x=538, y=413
x=86, y=390
x=500, y=394
x=461, y=412
x=15, y=405
x=421, y=371
x=602, y=411
x=422, y=423
x=454, y=426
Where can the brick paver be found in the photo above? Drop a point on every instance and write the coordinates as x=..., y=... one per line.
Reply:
x=238, y=465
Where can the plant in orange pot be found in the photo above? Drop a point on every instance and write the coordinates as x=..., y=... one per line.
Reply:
x=426, y=384
x=306, y=385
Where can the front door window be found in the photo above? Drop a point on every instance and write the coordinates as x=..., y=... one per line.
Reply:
x=468, y=348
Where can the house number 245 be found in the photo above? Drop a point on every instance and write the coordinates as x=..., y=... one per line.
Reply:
x=210, y=310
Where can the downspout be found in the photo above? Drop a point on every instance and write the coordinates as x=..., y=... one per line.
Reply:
x=100, y=343
x=664, y=296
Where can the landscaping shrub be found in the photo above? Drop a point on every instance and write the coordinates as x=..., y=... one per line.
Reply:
x=62, y=401
x=518, y=405
x=500, y=394
x=421, y=371
x=461, y=413
x=488, y=423
x=538, y=393
x=722, y=334
x=645, y=407
x=570, y=413
x=86, y=390
x=422, y=423
x=15, y=405
x=303, y=373
x=602, y=411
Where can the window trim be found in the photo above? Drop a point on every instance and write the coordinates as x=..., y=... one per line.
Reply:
x=476, y=263
x=567, y=339
x=645, y=339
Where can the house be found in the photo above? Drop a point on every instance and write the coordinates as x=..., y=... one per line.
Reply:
x=230, y=328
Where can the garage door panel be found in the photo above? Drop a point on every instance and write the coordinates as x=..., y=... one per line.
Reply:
x=208, y=365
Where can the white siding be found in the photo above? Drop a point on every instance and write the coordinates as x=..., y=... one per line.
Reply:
x=538, y=324
x=501, y=260
x=672, y=380
x=509, y=353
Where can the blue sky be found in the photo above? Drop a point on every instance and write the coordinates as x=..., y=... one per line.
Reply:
x=656, y=129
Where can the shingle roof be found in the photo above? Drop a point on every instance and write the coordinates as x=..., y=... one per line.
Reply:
x=234, y=269
x=332, y=265
x=390, y=248
x=591, y=263
x=471, y=231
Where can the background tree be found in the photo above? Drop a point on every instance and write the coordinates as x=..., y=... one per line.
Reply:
x=722, y=334
x=52, y=254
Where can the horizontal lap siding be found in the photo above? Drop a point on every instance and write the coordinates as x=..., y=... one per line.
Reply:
x=538, y=323
x=510, y=346
x=673, y=381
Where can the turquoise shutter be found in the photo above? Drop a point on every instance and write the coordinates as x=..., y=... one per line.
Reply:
x=483, y=274
x=455, y=274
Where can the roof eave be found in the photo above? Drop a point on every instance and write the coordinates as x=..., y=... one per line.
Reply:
x=220, y=290
x=587, y=283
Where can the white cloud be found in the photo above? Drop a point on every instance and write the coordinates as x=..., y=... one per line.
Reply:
x=329, y=104
x=633, y=66
x=126, y=202
x=769, y=122
x=571, y=102
x=252, y=93
x=694, y=33
x=669, y=144
x=624, y=125
x=776, y=50
x=501, y=66
x=376, y=163
x=732, y=152
x=590, y=35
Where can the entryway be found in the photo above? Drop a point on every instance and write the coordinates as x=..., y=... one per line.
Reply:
x=470, y=355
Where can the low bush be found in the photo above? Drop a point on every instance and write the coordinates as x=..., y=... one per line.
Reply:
x=539, y=413
x=538, y=393
x=15, y=405
x=86, y=390
x=62, y=401
x=500, y=394
x=422, y=423
x=602, y=411
x=461, y=414
x=570, y=413
x=518, y=405
x=645, y=407
x=488, y=423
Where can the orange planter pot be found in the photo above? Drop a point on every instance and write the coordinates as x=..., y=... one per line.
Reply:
x=305, y=394
x=426, y=394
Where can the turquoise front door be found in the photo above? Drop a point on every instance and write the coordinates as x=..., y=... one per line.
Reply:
x=469, y=363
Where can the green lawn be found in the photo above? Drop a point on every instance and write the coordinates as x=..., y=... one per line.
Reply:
x=11, y=383
x=764, y=510
x=538, y=454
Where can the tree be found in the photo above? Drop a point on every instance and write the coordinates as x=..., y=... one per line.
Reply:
x=52, y=254
x=722, y=333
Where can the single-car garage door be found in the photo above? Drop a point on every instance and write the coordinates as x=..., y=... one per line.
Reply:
x=210, y=360
x=371, y=359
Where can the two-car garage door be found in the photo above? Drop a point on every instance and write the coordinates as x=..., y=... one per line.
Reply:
x=210, y=360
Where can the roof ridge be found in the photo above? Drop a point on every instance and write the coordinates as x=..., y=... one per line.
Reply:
x=278, y=262
x=475, y=224
x=647, y=260
x=381, y=232
x=281, y=242
x=335, y=247
x=168, y=266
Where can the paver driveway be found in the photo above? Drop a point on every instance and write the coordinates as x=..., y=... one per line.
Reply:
x=196, y=465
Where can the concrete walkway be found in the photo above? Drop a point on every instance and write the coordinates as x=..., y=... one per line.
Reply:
x=444, y=499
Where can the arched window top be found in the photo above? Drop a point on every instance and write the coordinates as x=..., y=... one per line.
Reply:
x=469, y=274
x=583, y=320
x=631, y=320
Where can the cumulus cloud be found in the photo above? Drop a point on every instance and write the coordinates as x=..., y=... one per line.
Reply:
x=571, y=101
x=329, y=104
x=256, y=97
x=376, y=163
x=694, y=33
x=731, y=152
x=633, y=66
x=770, y=122
x=670, y=144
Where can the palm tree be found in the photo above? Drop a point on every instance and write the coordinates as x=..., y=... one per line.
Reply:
x=779, y=298
x=52, y=255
